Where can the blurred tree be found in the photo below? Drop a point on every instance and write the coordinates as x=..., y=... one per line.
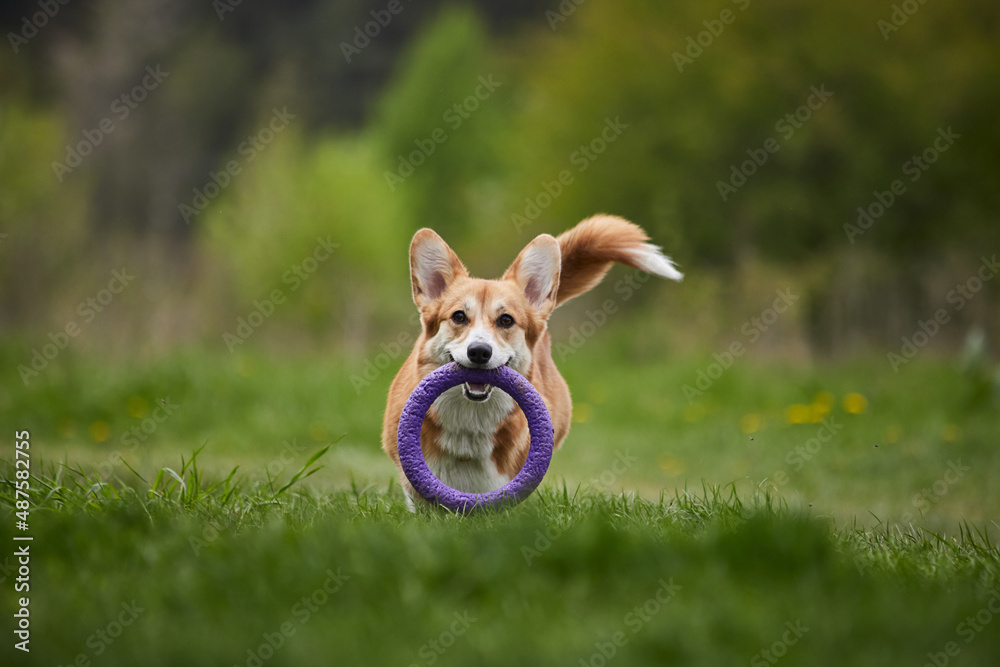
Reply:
x=226, y=66
x=272, y=230
x=33, y=260
x=693, y=120
x=724, y=160
x=694, y=113
x=440, y=122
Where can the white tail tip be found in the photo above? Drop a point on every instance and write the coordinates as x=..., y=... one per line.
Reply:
x=649, y=258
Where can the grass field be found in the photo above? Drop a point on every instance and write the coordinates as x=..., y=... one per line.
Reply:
x=810, y=514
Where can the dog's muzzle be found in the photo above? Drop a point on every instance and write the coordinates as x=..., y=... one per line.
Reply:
x=477, y=391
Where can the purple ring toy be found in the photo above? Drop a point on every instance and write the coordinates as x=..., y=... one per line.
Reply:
x=411, y=458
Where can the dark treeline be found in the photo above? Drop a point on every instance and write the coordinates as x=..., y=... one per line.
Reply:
x=850, y=148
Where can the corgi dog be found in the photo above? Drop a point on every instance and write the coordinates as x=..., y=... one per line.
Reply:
x=473, y=438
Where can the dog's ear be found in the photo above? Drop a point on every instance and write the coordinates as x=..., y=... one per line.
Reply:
x=433, y=266
x=536, y=271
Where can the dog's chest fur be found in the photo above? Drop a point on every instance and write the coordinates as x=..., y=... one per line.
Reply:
x=467, y=440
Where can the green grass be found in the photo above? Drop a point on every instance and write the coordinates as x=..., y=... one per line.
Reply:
x=271, y=411
x=216, y=567
x=267, y=474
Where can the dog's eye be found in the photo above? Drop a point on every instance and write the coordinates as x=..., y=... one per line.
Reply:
x=506, y=321
x=459, y=317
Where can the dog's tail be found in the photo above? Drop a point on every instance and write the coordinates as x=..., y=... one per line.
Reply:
x=590, y=248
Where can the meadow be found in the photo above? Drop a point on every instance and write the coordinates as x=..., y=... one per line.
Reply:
x=207, y=508
x=205, y=216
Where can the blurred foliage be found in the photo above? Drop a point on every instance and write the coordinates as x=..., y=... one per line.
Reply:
x=294, y=198
x=443, y=119
x=33, y=204
x=409, y=134
x=687, y=128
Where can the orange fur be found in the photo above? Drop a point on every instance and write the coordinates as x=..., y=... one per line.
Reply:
x=547, y=273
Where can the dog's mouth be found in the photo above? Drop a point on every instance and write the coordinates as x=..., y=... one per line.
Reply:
x=477, y=391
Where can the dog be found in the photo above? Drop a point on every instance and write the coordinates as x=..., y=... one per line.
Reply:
x=473, y=438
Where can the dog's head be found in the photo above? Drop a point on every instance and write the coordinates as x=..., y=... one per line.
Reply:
x=482, y=323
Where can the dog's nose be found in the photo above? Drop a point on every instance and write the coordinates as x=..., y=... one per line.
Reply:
x=479, y=353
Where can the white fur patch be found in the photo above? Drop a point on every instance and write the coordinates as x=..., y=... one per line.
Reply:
x=650, y=258
x=469, y=476
x=467, y=429
x=459, y=350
